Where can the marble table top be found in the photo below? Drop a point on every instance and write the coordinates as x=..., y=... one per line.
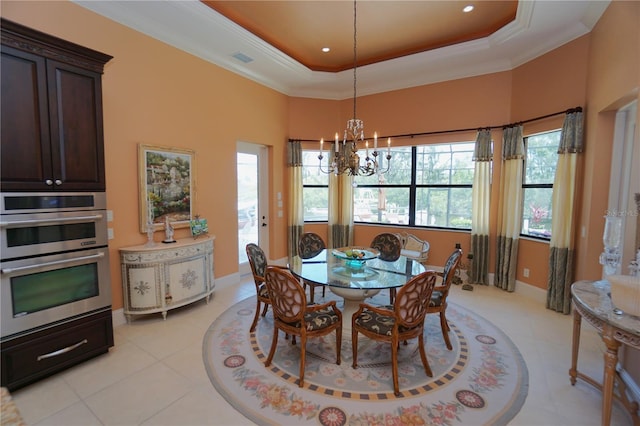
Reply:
x=595, y=296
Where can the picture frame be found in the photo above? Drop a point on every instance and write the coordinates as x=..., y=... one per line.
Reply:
x=199, y=227
x=166, y=186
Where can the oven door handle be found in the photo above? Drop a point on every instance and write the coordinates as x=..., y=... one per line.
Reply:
x=54, y=263
x=51, y=221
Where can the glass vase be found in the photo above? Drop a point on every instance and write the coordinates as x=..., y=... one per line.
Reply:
x=612, y=239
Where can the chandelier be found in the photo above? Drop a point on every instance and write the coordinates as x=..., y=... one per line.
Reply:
x=345, y=158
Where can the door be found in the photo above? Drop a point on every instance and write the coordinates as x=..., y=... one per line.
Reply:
x=252, y=199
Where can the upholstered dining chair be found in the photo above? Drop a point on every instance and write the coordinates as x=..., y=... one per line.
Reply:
x=389, y=246
x=438, y=302
x=400, y=322
x=258, y=263
x=310, y=245
x=292, y=315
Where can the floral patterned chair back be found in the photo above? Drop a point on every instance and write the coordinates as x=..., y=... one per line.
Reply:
x=258, y=263
x=389, y=246
x=310, y=245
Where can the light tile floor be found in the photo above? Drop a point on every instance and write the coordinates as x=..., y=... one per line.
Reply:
x=154, y=375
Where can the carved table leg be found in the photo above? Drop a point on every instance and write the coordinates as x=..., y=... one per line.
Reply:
x=573, y=371
x=610, y=362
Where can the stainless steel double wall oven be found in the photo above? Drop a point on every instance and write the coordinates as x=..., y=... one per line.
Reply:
x=54, y=270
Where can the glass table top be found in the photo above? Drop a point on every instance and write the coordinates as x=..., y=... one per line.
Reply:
x=337, y=271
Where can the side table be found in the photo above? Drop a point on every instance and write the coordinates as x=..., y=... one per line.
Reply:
x=592, y=301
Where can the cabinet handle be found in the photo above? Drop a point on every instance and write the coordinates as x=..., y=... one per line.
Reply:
x=53, y=263
x=74, y=219
x=48, y=182
x=62, y=351
x=58, y=182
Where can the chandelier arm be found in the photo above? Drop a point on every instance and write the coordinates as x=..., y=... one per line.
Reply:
x=346, y=160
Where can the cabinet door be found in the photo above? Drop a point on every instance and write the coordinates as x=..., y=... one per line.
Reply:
x=75, y=112
x=25, y=143
x=187, y=279
x=143, y=291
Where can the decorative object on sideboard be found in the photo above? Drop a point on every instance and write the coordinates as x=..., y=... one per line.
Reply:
x=636, y=197
x=612, y=240
x=634, y=266
x=199, y=227
x=625, y=294
x=168, y=231
x=150, y=227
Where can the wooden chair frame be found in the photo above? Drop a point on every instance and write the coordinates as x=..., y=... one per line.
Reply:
x=310, y=245
x=407, y=319
x=293, y=316
x=258, y=263
x=441, y=292
x=389, y=251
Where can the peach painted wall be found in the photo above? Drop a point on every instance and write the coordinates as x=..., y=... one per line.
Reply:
x=613, y=81
x=551, y=83
x=158, y=95
x=155, y=94
x=556, y=81
x=450, y=105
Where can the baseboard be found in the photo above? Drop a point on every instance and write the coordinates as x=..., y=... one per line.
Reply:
x=531, y=292
x=118, y=318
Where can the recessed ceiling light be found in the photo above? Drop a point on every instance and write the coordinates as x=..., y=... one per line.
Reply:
x=326, y=49
x=468, y=8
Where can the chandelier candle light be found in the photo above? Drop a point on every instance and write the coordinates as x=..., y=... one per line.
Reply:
x=347, y=160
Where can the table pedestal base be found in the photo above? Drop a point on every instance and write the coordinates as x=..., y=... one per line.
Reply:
x=352, y=298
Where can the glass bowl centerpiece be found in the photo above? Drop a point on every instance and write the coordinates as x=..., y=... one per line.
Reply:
x=355, y=257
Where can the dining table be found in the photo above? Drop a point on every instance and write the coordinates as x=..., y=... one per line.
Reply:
x=354, y=279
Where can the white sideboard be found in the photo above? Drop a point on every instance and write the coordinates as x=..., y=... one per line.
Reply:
x=166, y=276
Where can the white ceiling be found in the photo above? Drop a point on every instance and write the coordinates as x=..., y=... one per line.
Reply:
x=540, y=26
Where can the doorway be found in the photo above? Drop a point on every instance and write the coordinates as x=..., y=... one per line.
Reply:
x=252, y=186
x=624, y=183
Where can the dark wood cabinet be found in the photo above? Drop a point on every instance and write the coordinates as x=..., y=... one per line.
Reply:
x=51, y=118
x=37, y=355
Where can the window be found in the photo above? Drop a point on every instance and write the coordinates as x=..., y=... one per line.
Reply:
x=541, y=157
x=315, y=188
x=443, y=185
x=428, y=185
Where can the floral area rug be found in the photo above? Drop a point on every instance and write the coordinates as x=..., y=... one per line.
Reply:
x=482, y=381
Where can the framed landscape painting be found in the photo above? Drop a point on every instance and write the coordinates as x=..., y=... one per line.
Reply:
x=166, y=186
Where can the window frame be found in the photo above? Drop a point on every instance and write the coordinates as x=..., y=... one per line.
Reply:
x=313, y=153
x=413, y=189
x=525, y=185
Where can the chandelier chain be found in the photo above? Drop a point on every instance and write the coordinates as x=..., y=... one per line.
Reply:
x=355, y=56
x=346, y=160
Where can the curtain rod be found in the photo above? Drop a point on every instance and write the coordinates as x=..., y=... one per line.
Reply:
x=441, y=132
